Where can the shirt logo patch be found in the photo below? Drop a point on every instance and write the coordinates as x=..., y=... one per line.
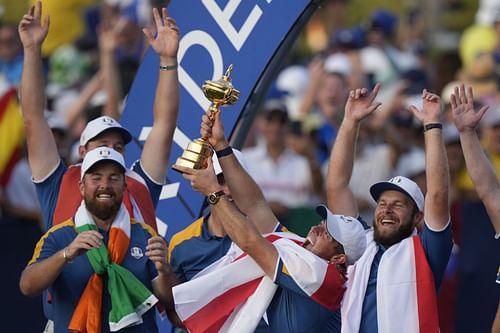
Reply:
x=136, y=252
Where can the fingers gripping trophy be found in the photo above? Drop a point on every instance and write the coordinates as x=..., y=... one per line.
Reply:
x=220, y=93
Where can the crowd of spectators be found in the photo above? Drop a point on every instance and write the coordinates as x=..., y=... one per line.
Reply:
x=90, y=68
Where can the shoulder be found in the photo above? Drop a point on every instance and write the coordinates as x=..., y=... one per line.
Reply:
x=144, y=227
x=191, y=231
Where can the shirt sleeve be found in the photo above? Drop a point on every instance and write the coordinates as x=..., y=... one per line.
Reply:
x=437, y=246
x=45, y=248
x=153, y=187
x=48, y=192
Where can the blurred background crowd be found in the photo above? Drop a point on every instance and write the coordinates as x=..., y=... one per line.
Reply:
x=95, y=47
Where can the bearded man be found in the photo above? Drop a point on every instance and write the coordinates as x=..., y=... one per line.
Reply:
x=393, y=286
x=105, y=270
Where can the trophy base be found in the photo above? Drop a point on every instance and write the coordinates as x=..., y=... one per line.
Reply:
x=195, y=156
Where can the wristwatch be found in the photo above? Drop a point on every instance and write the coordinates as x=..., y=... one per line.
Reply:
x=213, y=198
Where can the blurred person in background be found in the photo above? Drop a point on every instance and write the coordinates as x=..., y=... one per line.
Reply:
x=287, y=179
x=11, y=55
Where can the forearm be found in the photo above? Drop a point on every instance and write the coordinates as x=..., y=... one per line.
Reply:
x=340, y=197
x=482, y=174
x=246, y=193
x=111, y=84
x=166, y=107
x=246, y=235
x=42, y=149
x=40, y=276
x=78, y=107
x=437, y=179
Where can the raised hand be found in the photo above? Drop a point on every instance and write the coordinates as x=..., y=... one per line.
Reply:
x=203, y=181
x=462, y=108
x=156, y=250
x=31, y=31
x=360, y=104
x=166, y=43
x=213, y=131
x=431, y=108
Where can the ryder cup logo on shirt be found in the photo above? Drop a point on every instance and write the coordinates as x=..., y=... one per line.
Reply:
x=136, y=252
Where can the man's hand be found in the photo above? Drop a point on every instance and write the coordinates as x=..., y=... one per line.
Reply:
x=166, y=43
x=431, y=109
x=213, y=131
x=462, y=107
x=31, y=30
x=156, y=250
x=360, y=104
x=85, y=241
x=203, y=181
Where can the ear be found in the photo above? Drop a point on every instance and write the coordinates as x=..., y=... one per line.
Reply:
x=81, y=187
x=81, y=152
x=338, y=259
x=419, y=217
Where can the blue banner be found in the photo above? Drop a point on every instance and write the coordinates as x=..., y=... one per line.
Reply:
x=252, y=35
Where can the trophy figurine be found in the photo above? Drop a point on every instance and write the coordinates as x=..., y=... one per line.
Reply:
x=220, y=93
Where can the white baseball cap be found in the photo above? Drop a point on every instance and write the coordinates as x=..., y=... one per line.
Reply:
x=98, y=155
x=400, y=184
x=346, y=230
x=239, y=156
x=101, y=124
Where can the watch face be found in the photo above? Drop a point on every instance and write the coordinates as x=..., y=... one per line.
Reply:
x=213, y=198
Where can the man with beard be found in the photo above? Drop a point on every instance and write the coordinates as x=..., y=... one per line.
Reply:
x=101, y=265
x=393, y=285
x=297, y=282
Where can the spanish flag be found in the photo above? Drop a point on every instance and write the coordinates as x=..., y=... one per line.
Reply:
x=11, y=134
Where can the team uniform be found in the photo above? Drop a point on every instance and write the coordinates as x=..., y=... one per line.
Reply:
x=70, y=284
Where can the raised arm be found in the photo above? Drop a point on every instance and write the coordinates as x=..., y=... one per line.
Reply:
x=157, y=147
x=42, y=149
x=109, y=71
x=479, y=167
x=436, y=208
x=340, y=198
x=241, y=231
x=244, y=190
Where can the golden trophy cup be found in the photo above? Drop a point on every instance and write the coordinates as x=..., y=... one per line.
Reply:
x=220, y=93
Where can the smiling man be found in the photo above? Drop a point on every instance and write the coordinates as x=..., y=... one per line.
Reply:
x=393, y=286
x=104, y=269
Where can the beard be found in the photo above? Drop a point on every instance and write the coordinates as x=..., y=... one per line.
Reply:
x=101, y=210
x=395, y=236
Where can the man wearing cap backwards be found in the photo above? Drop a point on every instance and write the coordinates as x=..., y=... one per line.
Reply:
x=205, y=241
x=392, y=287
x=297, y=282
x=46, y=165
x=101, y=247
x=480, y=169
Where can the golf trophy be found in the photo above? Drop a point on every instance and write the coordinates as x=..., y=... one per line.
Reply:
x=220, y=93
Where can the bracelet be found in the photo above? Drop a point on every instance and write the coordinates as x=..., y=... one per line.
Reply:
x=66, y=257
x=224, y=152
x=432, y=125
x=168, y=67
